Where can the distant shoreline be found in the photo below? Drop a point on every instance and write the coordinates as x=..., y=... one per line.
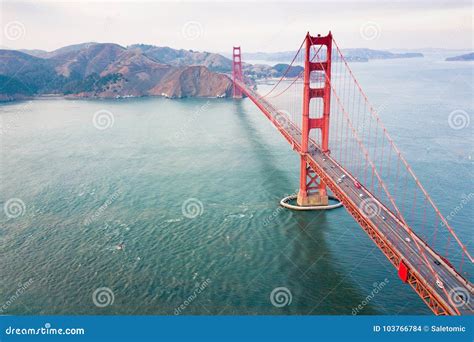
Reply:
x=73, y=98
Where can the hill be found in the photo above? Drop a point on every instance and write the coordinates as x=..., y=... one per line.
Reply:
x=466, y=57
x=110, y=70
x=104, y=70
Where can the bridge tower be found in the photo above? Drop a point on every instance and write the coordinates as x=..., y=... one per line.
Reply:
x=236, y=71
x=313, y=191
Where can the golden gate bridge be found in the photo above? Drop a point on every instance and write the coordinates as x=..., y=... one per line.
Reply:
x=344, y=148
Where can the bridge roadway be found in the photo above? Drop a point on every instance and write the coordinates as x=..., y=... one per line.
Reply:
x=397, y=242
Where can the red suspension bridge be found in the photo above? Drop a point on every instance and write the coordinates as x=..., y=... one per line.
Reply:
x=344, y=148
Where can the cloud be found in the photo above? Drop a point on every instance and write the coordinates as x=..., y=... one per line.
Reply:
x=269, y=26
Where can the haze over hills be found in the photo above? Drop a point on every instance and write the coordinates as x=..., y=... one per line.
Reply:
x=110, y=70
x=167, y=55
x=60, y=51
x=351, y=55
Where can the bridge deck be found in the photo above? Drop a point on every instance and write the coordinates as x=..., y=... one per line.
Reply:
x=385, y=228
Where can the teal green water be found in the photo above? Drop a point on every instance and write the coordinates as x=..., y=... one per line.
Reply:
x=88, y=191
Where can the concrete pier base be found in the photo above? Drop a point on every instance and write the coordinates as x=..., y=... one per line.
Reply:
x=312, y=200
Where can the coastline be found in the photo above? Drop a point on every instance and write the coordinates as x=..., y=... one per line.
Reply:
x=69, y=97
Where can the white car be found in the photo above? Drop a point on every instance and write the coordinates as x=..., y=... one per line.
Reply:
x=383, y=218
x=361, y=195
x=343, y=176
x=407, y=239
x=439, y=283
x=339, y=181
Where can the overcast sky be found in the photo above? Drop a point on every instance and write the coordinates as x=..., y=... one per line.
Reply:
x=255, y=25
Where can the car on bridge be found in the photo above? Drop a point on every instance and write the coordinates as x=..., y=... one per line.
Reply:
x=446, y=261
x=357, y=184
